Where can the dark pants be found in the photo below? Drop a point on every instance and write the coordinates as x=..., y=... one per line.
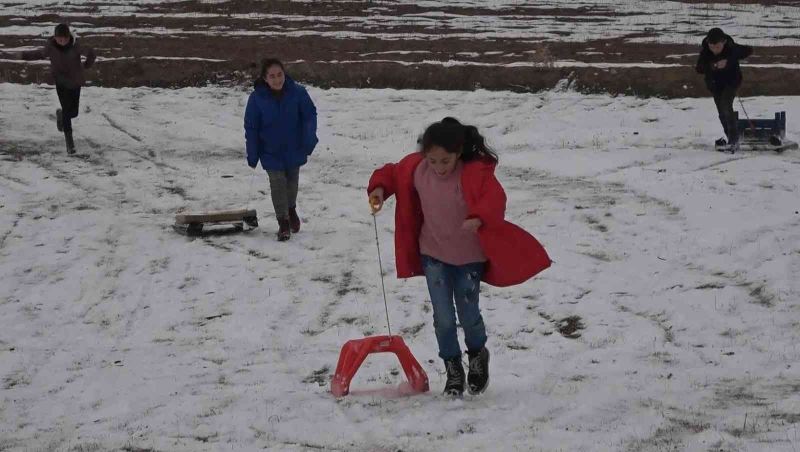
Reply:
x=455, y=289
x=723, y=98
x=70, y=102
x=283, y=190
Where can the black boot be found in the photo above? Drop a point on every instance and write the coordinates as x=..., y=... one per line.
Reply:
x=454, y=386
x=294, y=220
x=70, y=143
x=60, y=120
x=284, y=232
x=478, y=377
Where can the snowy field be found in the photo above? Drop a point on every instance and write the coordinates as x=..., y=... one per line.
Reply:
x=674, y=22
x=669, y=320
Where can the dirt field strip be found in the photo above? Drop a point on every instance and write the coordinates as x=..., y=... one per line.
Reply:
x=595, y=46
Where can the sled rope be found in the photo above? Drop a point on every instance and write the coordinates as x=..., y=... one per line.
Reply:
x=380, y=267
x=250, y=190
x=752, y=126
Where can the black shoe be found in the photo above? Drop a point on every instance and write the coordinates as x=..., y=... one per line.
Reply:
x=284, y=232
x=60, y=120
x=70, y=142
x=478, y=377
x=720, y=143
x=454, y=386
x=294, y=220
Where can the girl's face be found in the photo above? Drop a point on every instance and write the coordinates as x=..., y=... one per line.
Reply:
x=62, y=40
x=442, y=162
x=716, y=49
x=275, y=78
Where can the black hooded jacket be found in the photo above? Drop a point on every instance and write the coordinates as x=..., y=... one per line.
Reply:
x=65, y=61
x=731, y=75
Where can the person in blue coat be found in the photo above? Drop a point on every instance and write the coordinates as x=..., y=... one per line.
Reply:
x=280, y=124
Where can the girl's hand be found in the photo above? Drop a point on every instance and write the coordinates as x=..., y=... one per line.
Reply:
x=472, y=224
x=376, y=200
x=721, y=64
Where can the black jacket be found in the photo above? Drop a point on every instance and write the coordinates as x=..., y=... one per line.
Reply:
x=65, y=61
x=731, y=75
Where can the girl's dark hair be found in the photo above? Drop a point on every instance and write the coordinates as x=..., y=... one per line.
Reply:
x=62, y=30
x=715, y=35
x=455, y=137
x=267, y=63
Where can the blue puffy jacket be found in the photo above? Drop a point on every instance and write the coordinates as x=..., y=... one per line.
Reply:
x=281, y=131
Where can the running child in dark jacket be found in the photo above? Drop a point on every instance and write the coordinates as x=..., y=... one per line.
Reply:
x=64, y=53
x=719, y=62
x=450, y=227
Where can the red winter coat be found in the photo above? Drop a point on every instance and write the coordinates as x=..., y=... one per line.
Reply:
x=513, y=256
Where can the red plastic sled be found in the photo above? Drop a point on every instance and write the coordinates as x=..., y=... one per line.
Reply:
x=355, y=351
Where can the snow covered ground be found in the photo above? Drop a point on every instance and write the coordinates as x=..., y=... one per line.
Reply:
x=552, y=20
x=668, y=322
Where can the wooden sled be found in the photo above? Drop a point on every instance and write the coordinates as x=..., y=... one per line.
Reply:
x=216, y=222
x=764, y=134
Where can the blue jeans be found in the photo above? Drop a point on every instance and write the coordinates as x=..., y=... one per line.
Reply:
x=460, y=283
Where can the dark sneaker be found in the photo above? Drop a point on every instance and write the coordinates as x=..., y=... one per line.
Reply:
x=720, y=143
x=478, y=378
x=454, y=386
x=284, y=232
x=60, y=120
x=732, y=145
x=294, y=220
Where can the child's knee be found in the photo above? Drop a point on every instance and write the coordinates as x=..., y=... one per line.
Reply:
x=444, y=322
x=469, y=286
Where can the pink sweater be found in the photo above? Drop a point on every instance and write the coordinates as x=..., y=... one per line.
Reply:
x=444, y=210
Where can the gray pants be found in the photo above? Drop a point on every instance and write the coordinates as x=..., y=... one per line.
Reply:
x=283, y=190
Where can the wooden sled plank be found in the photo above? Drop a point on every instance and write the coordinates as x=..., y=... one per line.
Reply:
x=216, y=216
x=197, y=229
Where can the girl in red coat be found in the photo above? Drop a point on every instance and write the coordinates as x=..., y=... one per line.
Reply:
x=450, y=227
